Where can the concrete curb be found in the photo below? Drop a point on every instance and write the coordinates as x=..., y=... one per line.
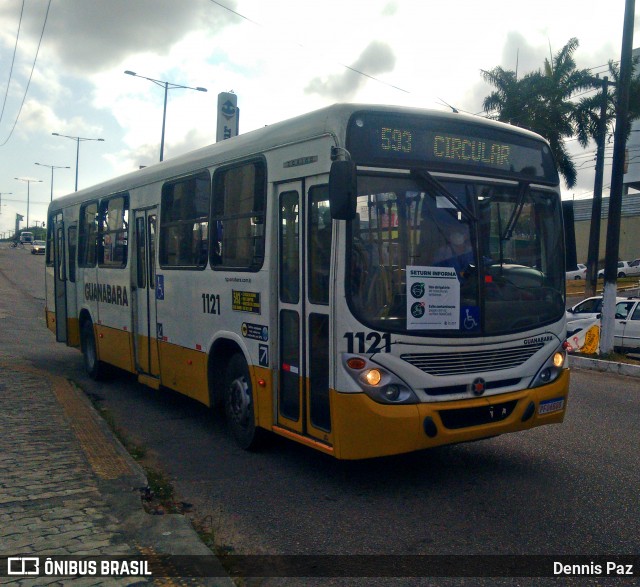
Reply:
x=576, y=362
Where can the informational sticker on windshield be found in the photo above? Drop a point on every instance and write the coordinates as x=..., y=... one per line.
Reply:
x=551, y=405
x=433, y=298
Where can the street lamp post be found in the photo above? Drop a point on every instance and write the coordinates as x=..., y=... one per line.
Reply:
x=52, y=167
x=167, y=86
x=77, y=139
x=29, y=182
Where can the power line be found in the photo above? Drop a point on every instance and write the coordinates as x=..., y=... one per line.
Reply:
x=26, y=91
x=305, y=47
x=13, y=59
x=22, y=201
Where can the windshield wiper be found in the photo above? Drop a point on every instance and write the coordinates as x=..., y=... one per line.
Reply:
x=515, y=215
x=437, y=189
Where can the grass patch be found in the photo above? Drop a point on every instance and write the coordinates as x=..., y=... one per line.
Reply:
x=159, y=496
x=618, y=358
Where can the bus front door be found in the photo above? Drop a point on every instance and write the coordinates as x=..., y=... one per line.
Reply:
x=144, y=295
x=303, y=309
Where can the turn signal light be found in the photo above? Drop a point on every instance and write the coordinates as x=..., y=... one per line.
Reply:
x=356, y=363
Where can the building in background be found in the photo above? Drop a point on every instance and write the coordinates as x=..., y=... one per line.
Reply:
x=629, y=227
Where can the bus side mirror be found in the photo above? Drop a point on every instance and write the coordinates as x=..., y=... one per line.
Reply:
x=343, y=190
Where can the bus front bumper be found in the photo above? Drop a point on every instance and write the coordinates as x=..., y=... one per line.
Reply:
x=364, y=428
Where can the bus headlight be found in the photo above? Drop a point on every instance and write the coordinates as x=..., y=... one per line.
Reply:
x=379, y=384
x=551, y=369
x=372, y=376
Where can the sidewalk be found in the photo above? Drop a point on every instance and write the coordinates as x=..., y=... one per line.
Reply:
x=67, y=486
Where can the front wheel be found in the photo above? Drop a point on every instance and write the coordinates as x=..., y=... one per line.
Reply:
x=239, y=404
x=94, y=367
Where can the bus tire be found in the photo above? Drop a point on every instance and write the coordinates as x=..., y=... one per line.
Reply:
x=94, y=367
x=239, y=402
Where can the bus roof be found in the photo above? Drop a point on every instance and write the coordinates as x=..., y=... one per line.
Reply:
x=331, y=120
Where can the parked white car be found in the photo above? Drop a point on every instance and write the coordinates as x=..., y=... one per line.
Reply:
x=625, y=269
x=589, y=308
x=627, y=320
x=579, y=273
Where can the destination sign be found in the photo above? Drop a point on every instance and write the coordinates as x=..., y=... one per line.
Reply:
x=442, y=144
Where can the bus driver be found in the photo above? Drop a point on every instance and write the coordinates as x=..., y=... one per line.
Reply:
x=457, y=252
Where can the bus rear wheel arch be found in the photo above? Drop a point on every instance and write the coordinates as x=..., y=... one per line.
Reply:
x=239, y=404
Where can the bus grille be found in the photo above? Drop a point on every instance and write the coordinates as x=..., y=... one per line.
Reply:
x=441, y=364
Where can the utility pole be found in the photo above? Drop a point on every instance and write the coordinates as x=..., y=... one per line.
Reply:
x=615, y=197
x=593, y=255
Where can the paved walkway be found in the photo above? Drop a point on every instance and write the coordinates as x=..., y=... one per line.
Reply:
x=67, y=487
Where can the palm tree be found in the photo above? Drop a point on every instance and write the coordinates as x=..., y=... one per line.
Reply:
x=541, y=102
x=587, y=112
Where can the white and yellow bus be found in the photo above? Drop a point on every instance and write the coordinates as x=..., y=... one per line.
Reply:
x=365, y=280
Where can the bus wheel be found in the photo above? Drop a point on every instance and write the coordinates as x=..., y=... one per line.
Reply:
x=94, y=368
x=238, y=399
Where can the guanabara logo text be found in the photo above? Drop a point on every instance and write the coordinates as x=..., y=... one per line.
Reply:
x=106, y=294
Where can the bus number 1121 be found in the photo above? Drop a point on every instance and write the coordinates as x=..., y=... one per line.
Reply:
x=356, y=342
x=211, y=303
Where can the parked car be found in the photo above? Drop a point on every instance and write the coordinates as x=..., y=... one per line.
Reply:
x=624, y=269
x=579, y=273
x=589, y=308
x=627, y=320
x=38, y=247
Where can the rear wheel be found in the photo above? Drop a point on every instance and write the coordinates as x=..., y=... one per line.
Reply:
x=239, y=404
x=94, y=368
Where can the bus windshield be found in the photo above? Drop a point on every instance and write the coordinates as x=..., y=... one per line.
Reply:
x=455, y=257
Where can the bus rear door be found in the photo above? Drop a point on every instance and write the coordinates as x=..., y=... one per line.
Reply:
x=60, y=278
x=144, y=297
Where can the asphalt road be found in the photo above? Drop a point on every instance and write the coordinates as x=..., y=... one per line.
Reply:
x=570, y=489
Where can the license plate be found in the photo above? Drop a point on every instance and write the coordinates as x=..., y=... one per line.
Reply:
x=551, y=405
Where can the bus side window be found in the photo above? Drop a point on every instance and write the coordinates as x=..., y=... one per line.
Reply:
x=239, y=195
x=184, y=226
x=88, y=234
x=114, y=231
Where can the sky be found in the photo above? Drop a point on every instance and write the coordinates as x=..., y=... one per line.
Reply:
x=62, y=66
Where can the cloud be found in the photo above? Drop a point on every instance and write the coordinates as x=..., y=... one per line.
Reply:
x=89, y=36
x=390, y=9
x=377, y=58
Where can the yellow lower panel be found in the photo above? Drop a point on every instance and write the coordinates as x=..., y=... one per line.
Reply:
x=114, y=347
x=263, y=393
x=184, y=370
x=146, y=345
x=364, y=429
x=73, y=332
x=51, y=320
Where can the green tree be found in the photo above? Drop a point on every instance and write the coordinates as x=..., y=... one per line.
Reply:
x=541, y=101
